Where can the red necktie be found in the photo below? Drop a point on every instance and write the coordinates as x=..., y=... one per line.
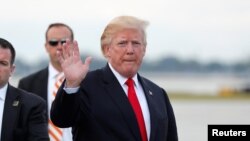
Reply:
x=137, y=108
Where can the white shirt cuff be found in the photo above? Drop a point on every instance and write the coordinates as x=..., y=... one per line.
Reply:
x=71, y=90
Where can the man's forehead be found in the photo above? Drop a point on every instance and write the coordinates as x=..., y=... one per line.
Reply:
x=5, y=54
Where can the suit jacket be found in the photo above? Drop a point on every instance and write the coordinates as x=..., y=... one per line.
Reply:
x=100, y=110
x=36, y=83
x=24, y=117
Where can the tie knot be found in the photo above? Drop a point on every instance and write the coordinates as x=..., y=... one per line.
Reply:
x=130, y=82
x=60, y=77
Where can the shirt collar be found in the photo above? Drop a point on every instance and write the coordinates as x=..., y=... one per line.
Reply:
x=122, y=80
x=52, y=72
x=3, y=92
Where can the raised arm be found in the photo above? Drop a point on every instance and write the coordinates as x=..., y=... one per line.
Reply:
x=65, y=107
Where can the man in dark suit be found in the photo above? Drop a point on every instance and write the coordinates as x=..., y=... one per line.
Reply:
x=114, y=103
x=43, y=82
x=22, y=114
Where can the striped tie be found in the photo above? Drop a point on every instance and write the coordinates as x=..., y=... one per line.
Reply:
x=55, y=133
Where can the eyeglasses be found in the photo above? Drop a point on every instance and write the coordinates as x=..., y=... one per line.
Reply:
x=55, y=42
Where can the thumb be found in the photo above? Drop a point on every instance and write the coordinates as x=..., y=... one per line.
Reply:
x=88, y=61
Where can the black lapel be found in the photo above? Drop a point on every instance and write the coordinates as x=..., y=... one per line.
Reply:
x=117, y=94
x=42, y=84
x=11, y=113
x=152, y=104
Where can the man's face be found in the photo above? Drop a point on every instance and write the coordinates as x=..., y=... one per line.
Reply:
x=55, y=37
x=126, y=51
x=6, y=68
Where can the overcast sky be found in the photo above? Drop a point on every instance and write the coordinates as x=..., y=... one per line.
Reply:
x=207, y=30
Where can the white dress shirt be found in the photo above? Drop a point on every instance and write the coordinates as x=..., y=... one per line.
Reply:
x=3, y=92
x=67, y=135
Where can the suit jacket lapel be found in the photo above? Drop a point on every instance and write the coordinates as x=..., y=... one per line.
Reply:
x=43, y=84
x=119, y=97
x=152, y=107
x=11, y=113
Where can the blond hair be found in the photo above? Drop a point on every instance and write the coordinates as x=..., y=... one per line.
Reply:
x=121, y=23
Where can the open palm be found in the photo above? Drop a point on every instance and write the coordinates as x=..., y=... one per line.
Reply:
x=73, y=67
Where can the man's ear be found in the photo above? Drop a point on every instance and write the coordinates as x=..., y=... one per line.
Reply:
x=106, y=51
x=144, y=50
x=46, y=47
x=12, y=69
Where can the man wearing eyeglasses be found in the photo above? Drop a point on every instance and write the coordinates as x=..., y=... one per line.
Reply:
x=46, y=81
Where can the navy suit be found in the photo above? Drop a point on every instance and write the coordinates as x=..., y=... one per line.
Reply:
x=100, y=110
x=24, y=117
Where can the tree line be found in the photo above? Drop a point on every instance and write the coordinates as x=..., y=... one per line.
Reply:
x=167, y=64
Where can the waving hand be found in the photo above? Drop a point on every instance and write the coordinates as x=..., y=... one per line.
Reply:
x=73, y=67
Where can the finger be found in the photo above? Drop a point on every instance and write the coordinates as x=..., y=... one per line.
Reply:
x=71, y=48
x=64, y=50
x=76, y=50
x=68, y=49
x=88, y=61
x=60, y=57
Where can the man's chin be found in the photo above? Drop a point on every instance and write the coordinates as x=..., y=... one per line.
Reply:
x=130, y=72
